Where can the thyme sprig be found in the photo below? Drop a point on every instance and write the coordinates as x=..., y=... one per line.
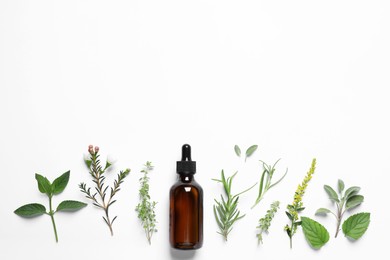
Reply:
x=146, y=207
x=225, y=211
x=297, y=205
x=97, y=172
x=265, y=222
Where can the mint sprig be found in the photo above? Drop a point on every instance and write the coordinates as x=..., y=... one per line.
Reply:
x=50, y=189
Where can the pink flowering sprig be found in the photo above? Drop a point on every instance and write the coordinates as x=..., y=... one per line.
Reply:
x=97, y=172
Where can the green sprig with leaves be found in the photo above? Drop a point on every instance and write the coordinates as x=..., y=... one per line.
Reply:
x=297, y=206
x=97, y=172
x=266, y=180
x=344, y=201
x=265, y=222
x=50, y=189
x=146, y=207
x=226, y=210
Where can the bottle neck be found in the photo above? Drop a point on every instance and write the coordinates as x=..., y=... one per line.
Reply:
x=186, y=177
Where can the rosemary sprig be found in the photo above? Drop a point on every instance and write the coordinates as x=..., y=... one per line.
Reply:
x=297, y=205
x=265, y=222
x=266, y=179
x=225, y=211
x=97, y=173
x=145, y=208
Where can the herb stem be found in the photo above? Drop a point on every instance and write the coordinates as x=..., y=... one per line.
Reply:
x=51, y=213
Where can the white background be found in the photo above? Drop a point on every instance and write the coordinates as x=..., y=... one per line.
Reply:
x=301, y=79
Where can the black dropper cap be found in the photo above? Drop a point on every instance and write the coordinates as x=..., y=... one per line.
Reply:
x=186, y=165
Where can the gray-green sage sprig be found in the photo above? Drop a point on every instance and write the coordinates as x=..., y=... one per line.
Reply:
x=226, y=211
x=344, y=201
x=145, y=208
x=266, y=180
x=50, y=189
x=265, y=222
x=97, y=172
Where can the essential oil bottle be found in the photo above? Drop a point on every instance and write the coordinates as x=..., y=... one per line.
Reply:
x=186, y=206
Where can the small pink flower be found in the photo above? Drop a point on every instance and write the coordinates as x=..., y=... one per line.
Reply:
x=90, y=149
x=96, y=149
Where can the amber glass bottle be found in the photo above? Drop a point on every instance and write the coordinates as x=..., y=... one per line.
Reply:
x=186, y=206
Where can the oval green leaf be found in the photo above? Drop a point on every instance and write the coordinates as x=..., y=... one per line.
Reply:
x=70, y=205
x=351, y=191
x=237, y=150
x=322, y=211
x=250, y=150
x=31, y=210
x=356, y=225
x=44, y=184
x=340, y=186
x=331, y=193
x=354, y=201
x=316, y=235
x=60, y=183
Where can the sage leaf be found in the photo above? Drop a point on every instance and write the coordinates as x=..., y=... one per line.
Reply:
x=60, y=183
x=70, y=205
x=331, y=193
x=354, y=201
x=250, y=151
x=356, y=225
x=340, y=186
x=237, y=150
x=316, y=235
x=351, y=191
x=44, y=184
x=322, y=211
x=31, y=210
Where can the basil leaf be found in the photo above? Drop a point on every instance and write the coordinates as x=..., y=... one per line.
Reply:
x=31, y=210
x=316, y=235
x=354, y=201
x=340, y=186
x=60, y=183
x=237, y=150
x=322, y=211
x=331, y=193
x=356, y=225
x=250, y=150
x=44, y=184
x=70, y=205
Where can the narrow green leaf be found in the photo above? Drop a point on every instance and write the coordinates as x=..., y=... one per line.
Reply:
x=340, y=186
x=60, y=183
x=322, y=211
x=31, y=210
x=354, y=201
x=289, y=216
x=331, y=193
x=250, y=151
x=356, y=225
x=315, y=233
x=44, y=184
x=237, y=150
x=70, y=205
x=351, y=191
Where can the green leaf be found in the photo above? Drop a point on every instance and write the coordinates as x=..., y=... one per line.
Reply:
x=354, y=201
x=315, y=233
x=60, y=183
x=70, y=205
x=44, y=184
x=331, y=193
x=356, y=225
x=351, y=191
x=340, y=186
x=31, y=210
x=289, y=216
x=237, y=150
x=322, y=211
x=250, y=151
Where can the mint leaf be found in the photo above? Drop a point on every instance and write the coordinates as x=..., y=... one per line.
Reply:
x=60, y=183
x=331, y=193
x=70, y=205
x=31, y=210
x=237, y=150
x=44, y=184
x=356, y=225
x=250, y=151
x=316, y=235
x=354, y=201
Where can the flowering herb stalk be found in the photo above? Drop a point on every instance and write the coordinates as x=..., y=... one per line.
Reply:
x=97, y=172
x=297, y=205
x=265, y=222
x=145, y=208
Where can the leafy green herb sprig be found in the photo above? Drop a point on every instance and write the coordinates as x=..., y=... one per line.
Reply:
x=97, y=172
x=146, y=208
x=266, y=179
x=297, y=206
x=248, y=152
x=344, y=201
x=50, y=189
x=225, y=211
x=265, y=222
